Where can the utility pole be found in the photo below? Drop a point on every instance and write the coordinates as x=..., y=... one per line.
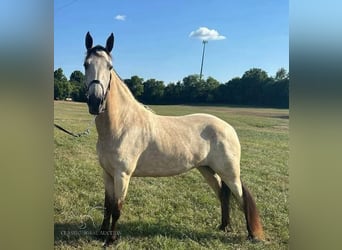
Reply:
x=204, y=42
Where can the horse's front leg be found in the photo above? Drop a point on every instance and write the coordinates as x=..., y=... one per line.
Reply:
x=109, y=198
x=121, y=181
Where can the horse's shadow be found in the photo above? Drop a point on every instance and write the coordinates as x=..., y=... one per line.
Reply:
x=70, y=234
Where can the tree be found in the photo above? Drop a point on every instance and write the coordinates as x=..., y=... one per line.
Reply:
x=283, y=93
x=62, y=90
x=173, y=93
x=233, y=91
x=135, y=84
x=77, y=76
x=77, y=81
x=252, y=82
x=281, y=74
x=211, y=84
x=153, y=91
x=255, y=87
x=220, y=94
x=62, y=87
x=59, y=75
x=193, y=88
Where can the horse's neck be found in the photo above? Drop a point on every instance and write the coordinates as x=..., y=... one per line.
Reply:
x=122, y=109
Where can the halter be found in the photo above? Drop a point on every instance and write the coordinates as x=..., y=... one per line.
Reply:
x=104, y=96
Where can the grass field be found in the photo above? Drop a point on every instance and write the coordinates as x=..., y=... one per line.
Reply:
x=173, y=212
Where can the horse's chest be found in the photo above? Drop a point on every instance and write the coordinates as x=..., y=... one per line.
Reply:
x=113, y=156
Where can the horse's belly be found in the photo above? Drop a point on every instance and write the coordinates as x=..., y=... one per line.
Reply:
x=160, y=169
x=158, y=164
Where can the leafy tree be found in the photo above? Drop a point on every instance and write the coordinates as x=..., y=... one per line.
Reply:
x=77, y=76
x=255, y=74
x=281, y=74
x=77, y=81
x=153, y=91
x=252, y=82
x=193, y=88
x=173, y=93
x=59, y=75
x=62, y=87
x=62, y=90
x=210, y=86
x=135, y=84
x=199, y=91
x=255, y=87
x=233, y=91
x=220, y=94
x=283, y=93
x=212, y=83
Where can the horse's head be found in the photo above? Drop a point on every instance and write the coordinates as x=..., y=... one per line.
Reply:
x=98, y=66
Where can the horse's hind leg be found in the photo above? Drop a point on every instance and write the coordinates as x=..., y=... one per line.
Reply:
x=247, y=204
x=225, y=199
x=222, y=192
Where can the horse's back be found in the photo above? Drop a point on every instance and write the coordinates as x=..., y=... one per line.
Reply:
x=205, y=126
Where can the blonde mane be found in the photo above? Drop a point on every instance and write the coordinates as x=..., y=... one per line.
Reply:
x=128, y=91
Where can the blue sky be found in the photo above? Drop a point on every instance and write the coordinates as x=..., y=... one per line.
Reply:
x=152, y=38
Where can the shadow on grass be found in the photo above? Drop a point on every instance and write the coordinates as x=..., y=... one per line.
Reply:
x=70, y=234
x=137, y=229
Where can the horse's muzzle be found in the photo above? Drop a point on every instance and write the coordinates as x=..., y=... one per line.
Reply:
x=95, y=105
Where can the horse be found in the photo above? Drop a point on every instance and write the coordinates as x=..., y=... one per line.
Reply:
x=135, y=142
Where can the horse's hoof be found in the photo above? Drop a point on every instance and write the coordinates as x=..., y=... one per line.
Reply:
x=253, y=239
x=107, y=243
x=110, y=240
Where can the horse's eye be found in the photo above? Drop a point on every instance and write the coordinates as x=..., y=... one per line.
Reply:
x=110, y=66
x=85, y=65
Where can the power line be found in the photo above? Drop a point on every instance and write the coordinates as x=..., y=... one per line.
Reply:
x=66, y=5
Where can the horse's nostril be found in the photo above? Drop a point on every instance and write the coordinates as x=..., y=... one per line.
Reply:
x=94, y=104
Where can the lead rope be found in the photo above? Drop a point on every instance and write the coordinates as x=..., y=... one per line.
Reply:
x=85, y=132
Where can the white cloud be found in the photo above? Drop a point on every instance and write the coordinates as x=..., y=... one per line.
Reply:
x=120, y=17
x=203, y=33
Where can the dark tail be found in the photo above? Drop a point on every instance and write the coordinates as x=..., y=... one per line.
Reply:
x=253, y=220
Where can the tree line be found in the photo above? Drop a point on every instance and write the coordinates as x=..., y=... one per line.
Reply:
x=253, y=88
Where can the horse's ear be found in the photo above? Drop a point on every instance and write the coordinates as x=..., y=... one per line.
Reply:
x=88, y=41
x=110, y=43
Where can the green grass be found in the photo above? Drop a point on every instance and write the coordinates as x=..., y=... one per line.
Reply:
x=173, y=212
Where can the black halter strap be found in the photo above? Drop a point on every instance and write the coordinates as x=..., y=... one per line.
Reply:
x=96, y=82
x=104, y=96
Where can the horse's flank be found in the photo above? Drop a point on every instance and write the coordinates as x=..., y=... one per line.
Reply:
x=146, y=144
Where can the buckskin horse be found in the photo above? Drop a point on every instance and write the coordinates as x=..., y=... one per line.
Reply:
x=133, y=141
